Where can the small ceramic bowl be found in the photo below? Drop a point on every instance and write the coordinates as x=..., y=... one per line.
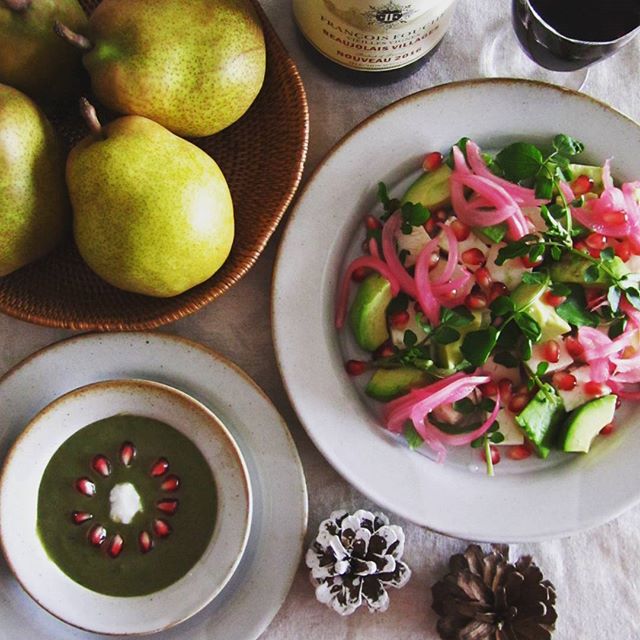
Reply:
x=41, y=577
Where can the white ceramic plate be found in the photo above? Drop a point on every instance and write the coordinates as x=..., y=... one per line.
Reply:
x=19, y=488
x=529, y=501
x=258, y=587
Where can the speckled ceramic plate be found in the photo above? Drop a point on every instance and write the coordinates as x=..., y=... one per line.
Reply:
x=20, y=485
x=528, y=501
x=259, y=585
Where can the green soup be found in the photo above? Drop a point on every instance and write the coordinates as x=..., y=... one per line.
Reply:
x=163, y=485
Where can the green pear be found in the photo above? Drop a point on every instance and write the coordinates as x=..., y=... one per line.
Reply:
x=34, y=207
x=194, y=67
x=152, y=213
x=32, y=58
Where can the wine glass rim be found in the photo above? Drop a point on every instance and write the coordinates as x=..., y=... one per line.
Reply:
x=630, y=34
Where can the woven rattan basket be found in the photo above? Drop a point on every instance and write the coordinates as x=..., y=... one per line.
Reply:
x=261, y=155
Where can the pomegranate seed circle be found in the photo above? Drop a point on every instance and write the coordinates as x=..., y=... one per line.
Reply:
x=495, y=455
x=432, y=161
x=168, y=506
x=564, y=381
x=159, y=468
x=596, y=241
x=573, y=346
x=614, y=217
x=161, y=528
x=80, y=517
x=101, y=465
x=498, y=289
x=551, y=351
x=528, y=263
x=399, y=319
x=483, y=278
x=355, y=367
x=553, y=300
x=489, y=389
x=506, y=387
x=618, y=402
x=127, y=453
x=518, y=402
x=385, y=350
x=440, y=215
x=476, y=301
x=115, y=546
x=85, y=487
x=360, y=274
x=170, y=483
x=372, y=223
x=430, y=226
x=145, y=541
x=581, y=185
x=97, y=535
x=607, y=429
x=623, y=250
x=634, y=243
x=519, y=452
x=593, y=388
x=473, y=257
x=460, y=230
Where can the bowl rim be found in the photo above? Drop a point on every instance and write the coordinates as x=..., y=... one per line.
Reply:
x=187, y=403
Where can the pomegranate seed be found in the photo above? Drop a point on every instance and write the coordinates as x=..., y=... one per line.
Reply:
x=115, y=546
x=564, y=381
x=355, y=367
x=440, y=215
x=399, y=319
x=623, y=250
x=97, y=535
x=360, y=274
x=581, y=185
x=581, y=246
x=430, y=226
x=161, y=528
x=159, y=468
x=518, y=402
x=596, y=241
x=607, y=429
x=432, y=161
x=593, y=388
x=506, y=388
x=171, y=483
x=460, y=230
x=476, y=301
x=614, y=217
x=483, y=278
x=635, y=245
x=145, y=541
x=473, y=257
x=553, y=300
x=573, y=346
x=372, y=223
x=498, y=289
x=100, y=464
x=86, y=487
x=80, y=517
x=551, y=351
x=618, y=402
x=489, y=389
x=385, y=350
x=495, y=455
x=168, y=506
x=519, y=452
x=529, y=264
x=127, y=453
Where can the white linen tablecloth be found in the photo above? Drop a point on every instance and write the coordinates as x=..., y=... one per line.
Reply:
x=597, y=574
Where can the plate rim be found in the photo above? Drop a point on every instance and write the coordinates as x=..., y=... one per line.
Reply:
x=558, y=532
x=181, y=342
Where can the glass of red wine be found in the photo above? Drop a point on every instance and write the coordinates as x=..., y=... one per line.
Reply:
x=557, y=40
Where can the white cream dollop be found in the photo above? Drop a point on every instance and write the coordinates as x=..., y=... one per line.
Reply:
x=125, y=503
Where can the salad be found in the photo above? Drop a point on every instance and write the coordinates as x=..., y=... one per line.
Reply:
x=498, y=301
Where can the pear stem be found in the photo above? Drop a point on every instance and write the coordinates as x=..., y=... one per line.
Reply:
x=90, y=116
x=73, y=38
x=18, y=5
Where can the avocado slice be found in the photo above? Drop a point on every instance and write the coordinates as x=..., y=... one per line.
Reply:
x=591, y=171
x=540, y=420
x=585, y=422
x=367, y=316
x=450, y=355
x=528, y=297
x=431, y=189
x=387, y=384
x=572, y=267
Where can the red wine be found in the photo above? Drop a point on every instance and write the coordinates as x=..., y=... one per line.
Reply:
x=590, y=20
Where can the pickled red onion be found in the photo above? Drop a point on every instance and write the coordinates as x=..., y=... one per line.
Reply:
x=424, y=294
x=368, y=262
x=452, y=258
x=391, y=227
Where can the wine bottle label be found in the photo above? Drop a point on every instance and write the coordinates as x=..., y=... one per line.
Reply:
x=373, y=35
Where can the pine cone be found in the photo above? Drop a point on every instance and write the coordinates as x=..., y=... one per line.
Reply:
x=354, y=558
x=484, y=597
